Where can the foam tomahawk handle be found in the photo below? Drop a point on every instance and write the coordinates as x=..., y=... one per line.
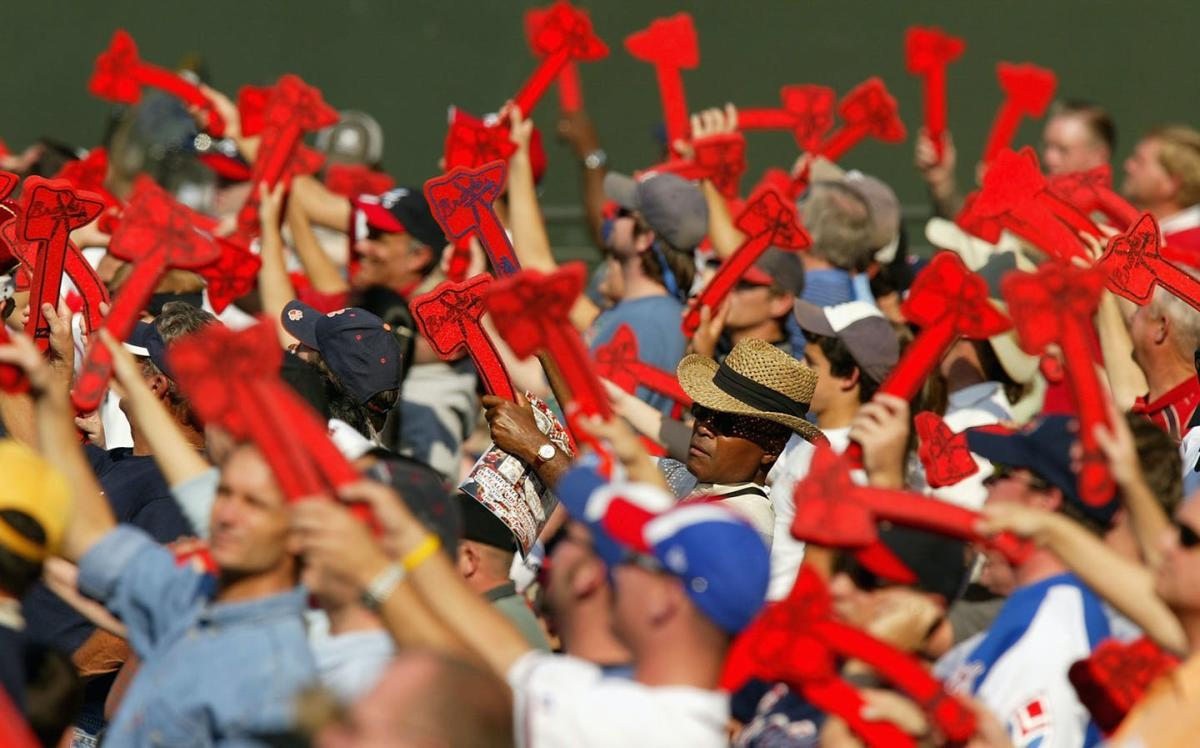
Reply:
x=1055, y=305
x=927, y=53
x=670, y=45
x=562, y=36
x=461, y=201
x=50, y=210
x=1028, y=90
x=119, y=76
x=767, y=220
x=450, y=319
x=1134, y=266
x=293, y=108
x=944, y=454
x=156, y=234
x=530, y=310
x=1091, y=191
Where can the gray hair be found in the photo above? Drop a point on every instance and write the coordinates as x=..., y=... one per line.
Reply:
x=839, y=221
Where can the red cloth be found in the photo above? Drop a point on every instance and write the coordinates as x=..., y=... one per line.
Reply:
x=1173, y=411
x=1183, y=247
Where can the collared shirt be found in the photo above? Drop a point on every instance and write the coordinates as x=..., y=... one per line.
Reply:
x=1174, y=410
x=516, y=609
x=750, y=501
x=563, y=701
x=211, y=673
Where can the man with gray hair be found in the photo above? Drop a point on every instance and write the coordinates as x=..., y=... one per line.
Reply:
x=1165, y=335
x=838, y=218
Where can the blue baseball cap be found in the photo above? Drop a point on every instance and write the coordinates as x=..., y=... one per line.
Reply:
x=1043, y=448
x=718, y=556
x=357, y=346
x=145, y=341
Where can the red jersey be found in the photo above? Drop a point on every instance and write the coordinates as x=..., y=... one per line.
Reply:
x=1173, y=411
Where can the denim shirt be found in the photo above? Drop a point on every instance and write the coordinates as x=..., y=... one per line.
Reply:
x=211, y=673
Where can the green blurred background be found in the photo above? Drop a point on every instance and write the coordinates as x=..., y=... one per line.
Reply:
x=404, y=62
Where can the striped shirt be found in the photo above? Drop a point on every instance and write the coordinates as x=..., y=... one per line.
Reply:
x=1173, y=411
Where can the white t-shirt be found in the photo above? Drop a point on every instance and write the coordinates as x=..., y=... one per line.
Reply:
x=348, y=664
x=564, y=702
x=787, y=553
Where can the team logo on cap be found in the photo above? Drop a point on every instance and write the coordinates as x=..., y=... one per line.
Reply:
x=295, y=315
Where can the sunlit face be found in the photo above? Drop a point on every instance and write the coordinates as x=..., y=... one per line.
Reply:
x=392, y=260
x=716, y=454
x=1146, y=181
x=1068, y=146
x=1177, y=579
x=250, y=519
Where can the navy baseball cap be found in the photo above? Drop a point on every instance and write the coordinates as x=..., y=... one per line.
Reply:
x=403, y=210
x=357, y=346
x=145, y=341
x=719, y=558
x=1044, y=449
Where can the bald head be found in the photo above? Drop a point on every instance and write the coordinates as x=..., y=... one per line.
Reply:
x=428, y=699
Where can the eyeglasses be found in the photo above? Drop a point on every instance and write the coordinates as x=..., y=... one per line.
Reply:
x=1188, y=538
x=1004, y=472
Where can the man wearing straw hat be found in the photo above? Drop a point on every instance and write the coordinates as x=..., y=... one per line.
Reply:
x=746, y=408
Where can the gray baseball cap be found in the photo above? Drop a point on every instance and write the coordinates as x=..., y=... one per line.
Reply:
x=671, y=205
x=863, y=329
x=779, y=268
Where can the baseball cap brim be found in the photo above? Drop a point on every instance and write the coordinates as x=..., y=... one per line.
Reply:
x=1019, y=449
x=621, y=189
x=574, y=489
x=811, y=318
x=379, y=217
x=300, y=321
x=757, y=276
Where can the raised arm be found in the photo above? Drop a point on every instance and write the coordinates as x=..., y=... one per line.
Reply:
x=58, y=442
x=577, y=129
x=324, y=274
x=274, y=286
x=322, y=206
x=1127, y=586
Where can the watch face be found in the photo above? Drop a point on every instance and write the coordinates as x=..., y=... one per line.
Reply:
x=546, y=452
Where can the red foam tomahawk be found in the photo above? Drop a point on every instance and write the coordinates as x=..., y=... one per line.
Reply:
x=1015, y=196
x=1028, y=90
x=943, y=453
x=617, y=360
x=461, y=201
x=352, y=180
x=798, y=642
x=293, y=108
x=450, y=318
x=720, y=159
x=119, y=76
x=1055, y=305
x=156, y=234
x=50, y=210
x=927, y=52
x=947, y=301
x=1116, y=676
x=768, y=220
x=1134, y=265
x=89, y=174
x=559, y=35
x=245, y=396
x=14, y=730
x=232, y=275
x=1091, y=192
x=670, y=45
x=833, y=511
x=807, y=113
x=530, y=310
x=867, y=110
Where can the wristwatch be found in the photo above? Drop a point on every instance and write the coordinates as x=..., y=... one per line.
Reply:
x=545, y=454
x=596, y=159
x=382, y=586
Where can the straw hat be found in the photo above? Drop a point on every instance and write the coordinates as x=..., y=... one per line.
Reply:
x=756, y=379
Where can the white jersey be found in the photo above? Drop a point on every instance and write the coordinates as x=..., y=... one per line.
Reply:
x=1018, y=667
x=565, y=702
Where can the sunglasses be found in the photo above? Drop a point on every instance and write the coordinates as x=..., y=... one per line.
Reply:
x=1004, y=472
x=722, y=423
x=1188, y=538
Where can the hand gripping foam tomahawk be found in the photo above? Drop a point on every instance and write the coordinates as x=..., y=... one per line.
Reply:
x=927, y=53
x=798, y=641
x=156, y=234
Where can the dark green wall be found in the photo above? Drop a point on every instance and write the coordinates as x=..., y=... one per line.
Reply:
x=405, y=61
